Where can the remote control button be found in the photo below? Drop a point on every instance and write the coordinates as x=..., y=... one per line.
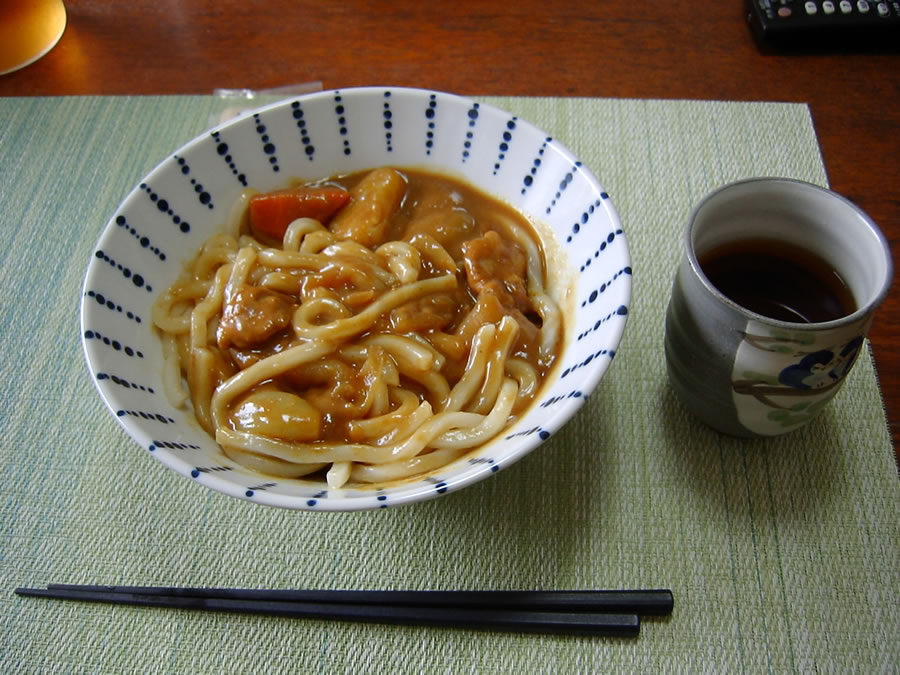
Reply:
x=846, y=7
x=810, y=7
x=883, y=9
x=784, y=12
x=862, y=6
x=828, y=7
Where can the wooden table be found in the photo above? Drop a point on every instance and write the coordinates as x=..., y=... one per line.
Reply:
x=603, y=49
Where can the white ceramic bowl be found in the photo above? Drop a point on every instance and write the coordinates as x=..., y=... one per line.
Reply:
x=164, y=220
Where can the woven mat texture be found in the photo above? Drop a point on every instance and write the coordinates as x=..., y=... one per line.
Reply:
x=782, y=554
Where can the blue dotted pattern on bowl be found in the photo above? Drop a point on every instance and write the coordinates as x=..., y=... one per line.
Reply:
x=179, y=204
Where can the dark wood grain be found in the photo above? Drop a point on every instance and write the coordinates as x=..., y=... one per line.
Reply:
x=652, y=49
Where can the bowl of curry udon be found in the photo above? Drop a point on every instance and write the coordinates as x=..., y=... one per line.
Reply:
x=355, y=299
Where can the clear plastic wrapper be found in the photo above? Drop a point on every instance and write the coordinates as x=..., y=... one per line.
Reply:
x=241, y=100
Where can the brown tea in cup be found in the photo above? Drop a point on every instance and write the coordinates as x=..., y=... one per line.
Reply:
x=778, y=280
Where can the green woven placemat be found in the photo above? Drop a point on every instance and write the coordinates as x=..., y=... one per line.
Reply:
x=782, y=554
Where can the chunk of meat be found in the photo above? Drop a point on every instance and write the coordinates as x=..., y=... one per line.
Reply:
x=432, y=312
x=334, y=388
x=251, y=316
x=490, y=309
x=498, y=267
x=373, y=201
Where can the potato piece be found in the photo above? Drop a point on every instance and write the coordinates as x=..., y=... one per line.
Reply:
x=373, y=201
x=449, y=228
x=277, y=414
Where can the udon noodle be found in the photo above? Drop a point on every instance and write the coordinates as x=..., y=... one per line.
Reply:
x=379, y=343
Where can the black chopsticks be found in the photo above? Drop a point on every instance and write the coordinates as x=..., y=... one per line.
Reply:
x=612, y=612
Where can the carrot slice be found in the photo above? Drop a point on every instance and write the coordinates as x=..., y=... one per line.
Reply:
x=272, y=212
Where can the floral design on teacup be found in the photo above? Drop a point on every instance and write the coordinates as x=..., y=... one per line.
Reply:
x=796, y=389
x=821, y=369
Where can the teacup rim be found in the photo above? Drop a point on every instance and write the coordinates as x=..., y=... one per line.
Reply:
x=861, y=313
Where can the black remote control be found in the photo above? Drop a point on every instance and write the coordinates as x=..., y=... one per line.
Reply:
x=826, y=23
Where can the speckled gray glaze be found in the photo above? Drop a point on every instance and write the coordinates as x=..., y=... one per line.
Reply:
x=743, y=373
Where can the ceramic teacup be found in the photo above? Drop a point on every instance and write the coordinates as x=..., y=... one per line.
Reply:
x=771, y=303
